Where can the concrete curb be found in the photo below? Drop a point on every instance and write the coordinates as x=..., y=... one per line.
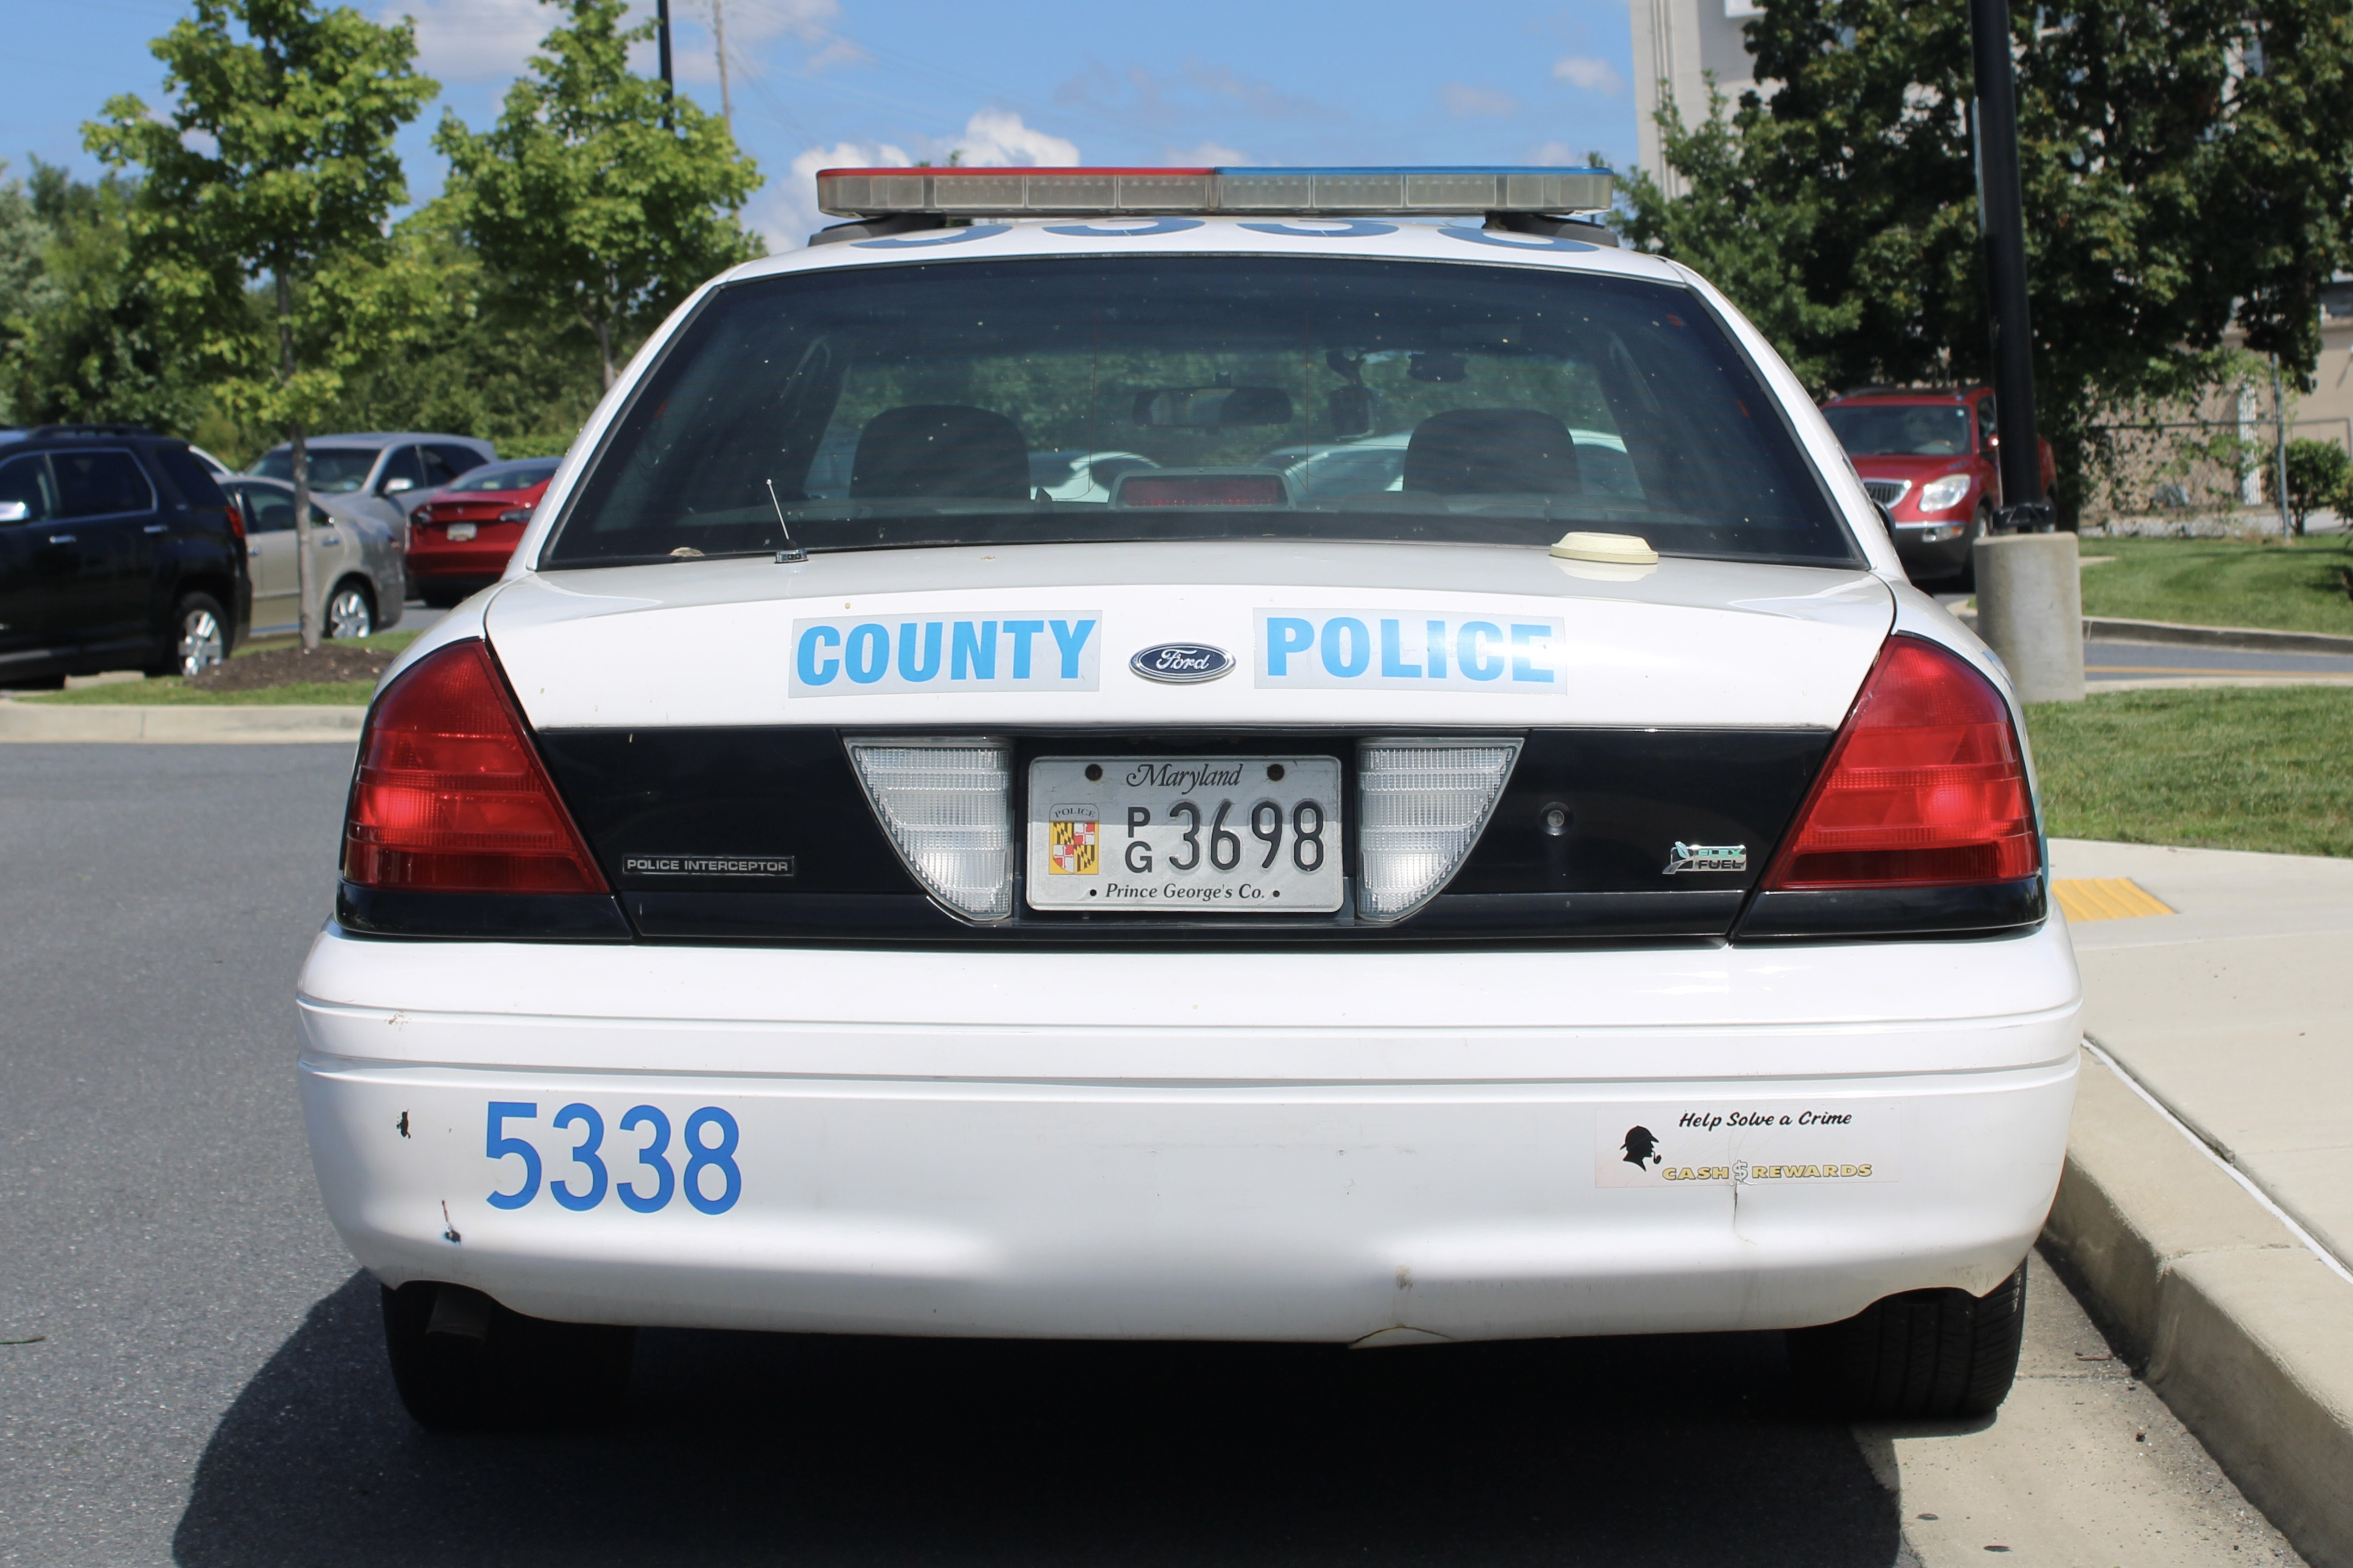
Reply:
x=175, y=725
x=2242, y=1328
x=2247, y=639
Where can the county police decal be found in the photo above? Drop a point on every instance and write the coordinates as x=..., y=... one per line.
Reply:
x=1796, y=1143
x=1016, y=650
x=1410, y=650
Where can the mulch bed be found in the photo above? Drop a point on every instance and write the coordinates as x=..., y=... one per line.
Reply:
x=293, y=665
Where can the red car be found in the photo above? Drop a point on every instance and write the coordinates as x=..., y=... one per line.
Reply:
x=459, y=540
x=1927, y=455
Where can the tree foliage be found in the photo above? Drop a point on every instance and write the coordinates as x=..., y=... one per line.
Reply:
x=276, y=162
x=596, y=195
x=2183, y=162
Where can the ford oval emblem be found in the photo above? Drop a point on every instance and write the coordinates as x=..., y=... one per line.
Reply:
x=1181, y=661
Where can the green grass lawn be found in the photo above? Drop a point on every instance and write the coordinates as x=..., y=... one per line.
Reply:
x=2234, y=768
x=2222, y=582
x=170, y=690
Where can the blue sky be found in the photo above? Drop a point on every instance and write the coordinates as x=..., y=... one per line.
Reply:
x=816, y=82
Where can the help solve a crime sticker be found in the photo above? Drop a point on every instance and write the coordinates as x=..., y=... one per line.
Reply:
x=1812, y=1143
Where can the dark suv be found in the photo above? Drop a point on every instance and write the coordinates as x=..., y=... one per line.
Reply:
x=117, y=550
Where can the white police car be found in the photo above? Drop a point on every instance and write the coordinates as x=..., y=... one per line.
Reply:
x=1580, y=891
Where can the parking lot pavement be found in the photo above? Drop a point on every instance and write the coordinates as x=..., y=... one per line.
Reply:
x=206, y=1382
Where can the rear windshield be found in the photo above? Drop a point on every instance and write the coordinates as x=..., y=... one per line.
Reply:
x=1241, y=398
x=1901, y=429
x=334, y=471
x=503, y=477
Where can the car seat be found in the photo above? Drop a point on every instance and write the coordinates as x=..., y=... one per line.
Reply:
x=940, y=449
x=1492, y=451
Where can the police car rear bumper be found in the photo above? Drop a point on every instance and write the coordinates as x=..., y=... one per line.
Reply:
x=1255, y=1146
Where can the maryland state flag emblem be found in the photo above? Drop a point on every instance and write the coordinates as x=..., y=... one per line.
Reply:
x=1071, y=850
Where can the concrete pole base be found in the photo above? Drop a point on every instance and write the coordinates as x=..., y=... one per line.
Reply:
x=2031, y=611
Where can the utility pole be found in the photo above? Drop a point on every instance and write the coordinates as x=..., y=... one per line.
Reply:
x=2002, y=218
x=2030, y=584
x=719, y=41
x=662, y=30
x=2279, y=446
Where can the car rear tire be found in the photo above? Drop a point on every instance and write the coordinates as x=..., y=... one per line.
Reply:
x=198, y=636
x=351, y=611
x=462, y=1363
x=1926, y=1354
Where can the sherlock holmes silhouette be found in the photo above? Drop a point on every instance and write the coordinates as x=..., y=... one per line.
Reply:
x=1642, y=1147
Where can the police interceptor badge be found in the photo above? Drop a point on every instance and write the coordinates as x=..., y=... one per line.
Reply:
x=1181, y=663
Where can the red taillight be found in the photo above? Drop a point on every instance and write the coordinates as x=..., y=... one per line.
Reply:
x=236, y=515
x=452, y=797
x=1925, y=787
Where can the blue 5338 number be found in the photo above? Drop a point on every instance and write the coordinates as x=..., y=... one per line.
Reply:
x=646, y=1185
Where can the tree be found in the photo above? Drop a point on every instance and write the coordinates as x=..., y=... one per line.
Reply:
x=276, y=164
x=2319, y=475
x=2183, y=162
x=81, y=339
x=597, y=192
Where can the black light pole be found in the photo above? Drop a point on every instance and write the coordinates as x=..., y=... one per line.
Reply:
x=2001, y=217
x=661, y=28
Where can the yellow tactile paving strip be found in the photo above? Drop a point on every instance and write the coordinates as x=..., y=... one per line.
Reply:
x=2105, y=899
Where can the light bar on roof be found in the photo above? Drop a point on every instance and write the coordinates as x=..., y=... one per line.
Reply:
x=1240, y=193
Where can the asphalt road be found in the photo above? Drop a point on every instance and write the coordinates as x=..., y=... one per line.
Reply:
x=2107, y=660
x=207, y=1388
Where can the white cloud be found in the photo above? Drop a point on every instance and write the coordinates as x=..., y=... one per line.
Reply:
x=474, y=40
x=1206, y=154
x=1588, y=74
x=997, y=136
x=786, y=212
x=1463, y=101
x=1559, y=155
x=752, y=23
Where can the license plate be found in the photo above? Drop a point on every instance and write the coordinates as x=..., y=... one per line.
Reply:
x=460, y=532
x=1194, y=834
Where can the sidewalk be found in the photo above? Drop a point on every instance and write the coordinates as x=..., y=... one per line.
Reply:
x=2207, y=1204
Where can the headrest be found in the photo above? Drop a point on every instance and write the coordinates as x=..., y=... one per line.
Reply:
x=941, y=449
x=1492, y=451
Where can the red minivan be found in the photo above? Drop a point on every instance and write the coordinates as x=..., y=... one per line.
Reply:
x=1927, y=456
x=459, y=540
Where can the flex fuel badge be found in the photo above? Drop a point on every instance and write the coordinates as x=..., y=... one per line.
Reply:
x=1756, y=1143
x=1410, y=650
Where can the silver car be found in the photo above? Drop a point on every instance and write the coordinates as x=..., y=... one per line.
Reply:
x=362, y=575
x=384, y=474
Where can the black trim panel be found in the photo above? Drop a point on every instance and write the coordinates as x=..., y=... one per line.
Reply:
x=481, y=917
x=1847, y=913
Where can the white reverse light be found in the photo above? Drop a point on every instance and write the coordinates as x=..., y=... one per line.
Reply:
x=1422, y=804
x=948, y=807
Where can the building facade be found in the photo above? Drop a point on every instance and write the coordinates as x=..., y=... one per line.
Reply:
x=1678, y=44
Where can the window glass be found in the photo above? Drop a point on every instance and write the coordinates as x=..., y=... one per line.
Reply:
x=27, y=479
x=1901, y=429
x=402, y=464
x=515, y=476
x=99, y=484
x=456, y=458
x=928, y=402
x=267, y=510
x=1984, y=422
x=190, y=478
x=334, y=471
